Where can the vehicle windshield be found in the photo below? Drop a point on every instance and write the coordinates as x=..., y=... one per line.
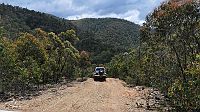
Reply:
x=99, y=69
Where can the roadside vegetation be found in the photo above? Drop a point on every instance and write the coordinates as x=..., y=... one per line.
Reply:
x=40, y=58
x=168, y=57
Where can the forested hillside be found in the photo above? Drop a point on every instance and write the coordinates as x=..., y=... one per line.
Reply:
x=168, y=57
x=102, y=38
x=106, y=37
x=15, y=20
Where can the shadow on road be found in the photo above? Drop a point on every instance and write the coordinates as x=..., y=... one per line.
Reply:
x=100, y=80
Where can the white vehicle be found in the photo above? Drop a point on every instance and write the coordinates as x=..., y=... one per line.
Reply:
x=99, y=73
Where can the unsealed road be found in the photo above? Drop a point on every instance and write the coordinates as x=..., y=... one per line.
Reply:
x=88, y=96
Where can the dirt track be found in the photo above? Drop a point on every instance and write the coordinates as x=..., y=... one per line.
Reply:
x=88, y=96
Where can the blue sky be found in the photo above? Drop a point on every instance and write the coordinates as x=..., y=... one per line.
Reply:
x=131, y=10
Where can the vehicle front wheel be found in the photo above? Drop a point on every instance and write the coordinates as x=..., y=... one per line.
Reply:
x=95, y=79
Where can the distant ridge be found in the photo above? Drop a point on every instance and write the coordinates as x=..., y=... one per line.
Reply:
x=102, y=37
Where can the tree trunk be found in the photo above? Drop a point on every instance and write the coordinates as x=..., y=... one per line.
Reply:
x=180, y=65
x=1, y=86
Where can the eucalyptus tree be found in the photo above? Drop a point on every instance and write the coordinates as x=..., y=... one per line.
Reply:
x=170, y=39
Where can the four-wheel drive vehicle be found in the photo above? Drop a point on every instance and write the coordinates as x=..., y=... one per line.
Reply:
x=99, y=73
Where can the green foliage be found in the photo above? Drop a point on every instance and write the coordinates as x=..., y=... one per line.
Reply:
x=100, y=37
x=168, y=55
x=16, y=20
x=29, y=46
x=8, y=68
x=69, y=35
x=65, y=55
x=37, y=59
x=127, y=67
x=84, y=64
x=2, y=32
x=106, y=37
x=173, y=42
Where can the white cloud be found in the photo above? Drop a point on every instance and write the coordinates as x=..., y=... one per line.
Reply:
x=131, y=10
x=132, y=15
